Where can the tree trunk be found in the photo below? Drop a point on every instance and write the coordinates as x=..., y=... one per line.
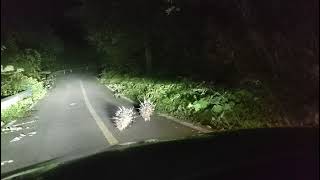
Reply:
x=148, y=54
x=254, y=36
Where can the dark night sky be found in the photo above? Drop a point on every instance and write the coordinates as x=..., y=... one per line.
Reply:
x=30, y=12
x=33, y=14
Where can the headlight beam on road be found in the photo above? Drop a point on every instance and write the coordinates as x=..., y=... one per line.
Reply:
x=106, y=132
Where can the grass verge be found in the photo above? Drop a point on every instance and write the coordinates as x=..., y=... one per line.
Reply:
x=22, y=108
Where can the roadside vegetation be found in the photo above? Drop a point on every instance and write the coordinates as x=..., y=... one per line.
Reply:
x=220, y=108
x=227, y=43
x=22, y=69
x=13, y=82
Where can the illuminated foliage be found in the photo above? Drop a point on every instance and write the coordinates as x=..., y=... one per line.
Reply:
x=199, y=102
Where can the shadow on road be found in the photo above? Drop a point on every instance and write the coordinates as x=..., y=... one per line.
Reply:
x=111, y=110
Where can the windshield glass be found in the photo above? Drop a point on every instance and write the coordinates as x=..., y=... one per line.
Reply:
x=80, y=76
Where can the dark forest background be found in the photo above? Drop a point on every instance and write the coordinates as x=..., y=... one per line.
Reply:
x=224, y=42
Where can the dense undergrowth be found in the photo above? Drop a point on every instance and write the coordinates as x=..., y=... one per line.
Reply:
x=251, y=106
x=20, y=71
x=15, y=82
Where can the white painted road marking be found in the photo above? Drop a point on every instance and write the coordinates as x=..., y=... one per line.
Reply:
x=107, y=134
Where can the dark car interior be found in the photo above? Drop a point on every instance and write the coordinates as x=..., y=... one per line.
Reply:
x=282, y=153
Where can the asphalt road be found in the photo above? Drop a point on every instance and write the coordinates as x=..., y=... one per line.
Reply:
x=75, y=118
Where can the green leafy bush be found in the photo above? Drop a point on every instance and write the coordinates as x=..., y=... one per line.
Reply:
x=12, y=84
x=23, y=73
x=17, y=110
x=17, y=83
x=218, y=107
x=30, y=61
x=22, y=60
